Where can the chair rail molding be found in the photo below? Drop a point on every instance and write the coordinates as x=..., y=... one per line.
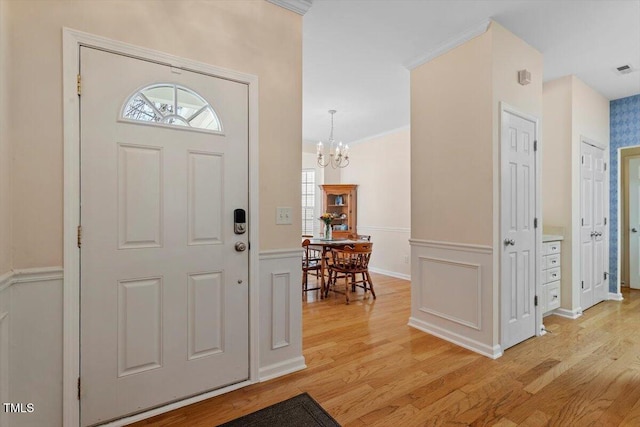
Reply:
x=454, y=246
x=298, y=6
x=382, y=228
x=28, y=275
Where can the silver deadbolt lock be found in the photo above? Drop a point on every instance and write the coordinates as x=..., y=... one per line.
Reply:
x=239, y=221
x=241, y=246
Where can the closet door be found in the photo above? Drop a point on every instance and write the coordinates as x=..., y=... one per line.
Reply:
x=518, y=207
x=593, y=227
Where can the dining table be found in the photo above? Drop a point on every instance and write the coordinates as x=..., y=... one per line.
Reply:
x=325, y=245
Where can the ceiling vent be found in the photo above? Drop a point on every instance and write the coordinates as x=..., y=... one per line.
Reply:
x=625, y=69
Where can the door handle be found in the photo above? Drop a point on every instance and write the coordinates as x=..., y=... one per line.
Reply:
x=508, y=242
x=635, y=230
x=240, y=246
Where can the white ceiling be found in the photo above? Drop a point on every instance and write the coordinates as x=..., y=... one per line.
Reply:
x=354, y=51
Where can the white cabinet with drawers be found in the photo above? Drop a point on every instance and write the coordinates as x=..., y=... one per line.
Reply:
x=551, y=275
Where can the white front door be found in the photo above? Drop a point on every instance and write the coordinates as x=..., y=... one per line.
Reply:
x=634, y=222
x=518, y=205
x=164, y=292
x=593, y=228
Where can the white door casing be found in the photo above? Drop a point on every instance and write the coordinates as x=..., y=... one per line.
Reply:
x=164, y=294
x=518, y=210
x=633, y=232
x=593, y=227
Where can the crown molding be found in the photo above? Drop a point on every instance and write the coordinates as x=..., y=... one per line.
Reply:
x=298, y=6
x=445, y=47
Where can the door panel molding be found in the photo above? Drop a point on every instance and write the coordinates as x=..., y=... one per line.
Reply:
x=72, y=40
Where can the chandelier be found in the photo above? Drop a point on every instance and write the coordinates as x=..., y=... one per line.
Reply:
x=338, y=154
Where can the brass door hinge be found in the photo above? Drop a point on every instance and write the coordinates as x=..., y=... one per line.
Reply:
x=78, y=388
x=79, y=236
x=79, y=87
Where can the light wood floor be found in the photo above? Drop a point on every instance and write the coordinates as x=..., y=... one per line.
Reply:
x=367, y=367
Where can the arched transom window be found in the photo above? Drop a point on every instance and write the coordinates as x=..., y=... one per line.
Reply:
x=173, y=105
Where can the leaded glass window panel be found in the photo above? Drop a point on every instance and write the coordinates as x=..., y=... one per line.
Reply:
x=173, y=105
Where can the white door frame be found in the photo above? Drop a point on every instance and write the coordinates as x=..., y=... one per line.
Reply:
x=498, y=242
x=576, y=271
x=625, y=225
x=71, y=42
x=617, y=296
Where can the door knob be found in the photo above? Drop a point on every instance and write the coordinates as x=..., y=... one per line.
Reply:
x=241, y=246
x=593, y=233
x=635, y=230
x=508, y=242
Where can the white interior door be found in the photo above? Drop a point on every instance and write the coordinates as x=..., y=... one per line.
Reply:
x=587, y=233
x=634, y=222
x=593, y=227
x=518, y=200
x=164, y=292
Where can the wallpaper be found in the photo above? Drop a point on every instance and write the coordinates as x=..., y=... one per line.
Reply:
x=625, y=132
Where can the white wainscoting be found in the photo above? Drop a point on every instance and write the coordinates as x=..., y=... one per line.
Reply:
x=452, y=294
x=31, y=345
x=31, y=335
x=391, y=250
x=4, y=344
x=280, y=313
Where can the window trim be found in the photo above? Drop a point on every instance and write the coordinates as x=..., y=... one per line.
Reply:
x=139, y=91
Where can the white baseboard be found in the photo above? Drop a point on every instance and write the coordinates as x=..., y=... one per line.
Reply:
x=175, y=405
x=569, y=314
x=282, y=368
x=390, y=273
x=613, y=296
x=475, y=346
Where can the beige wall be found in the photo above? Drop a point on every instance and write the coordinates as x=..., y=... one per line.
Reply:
x=556, y=153
x=451, y=146
x=556, y=172
x=254, y=37
x=572, y=110
x=455, y=176
x=380, y=166
x=5, y=147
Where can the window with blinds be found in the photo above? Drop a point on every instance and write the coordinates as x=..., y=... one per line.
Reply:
x=308, y=200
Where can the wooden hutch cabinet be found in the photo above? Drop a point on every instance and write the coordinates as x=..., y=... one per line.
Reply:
x=341, y=201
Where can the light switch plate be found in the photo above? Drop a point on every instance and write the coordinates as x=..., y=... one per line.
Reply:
x=283, y=216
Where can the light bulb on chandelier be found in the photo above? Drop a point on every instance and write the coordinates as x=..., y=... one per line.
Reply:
x=338, y=154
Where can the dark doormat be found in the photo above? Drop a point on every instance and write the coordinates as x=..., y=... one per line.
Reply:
x=299, y=411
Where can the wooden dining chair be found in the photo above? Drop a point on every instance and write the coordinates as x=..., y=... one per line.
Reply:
x=349, y=261
x=359, y=237
x=311, y=262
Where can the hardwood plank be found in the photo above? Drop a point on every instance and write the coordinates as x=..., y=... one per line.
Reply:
x=367, y=367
